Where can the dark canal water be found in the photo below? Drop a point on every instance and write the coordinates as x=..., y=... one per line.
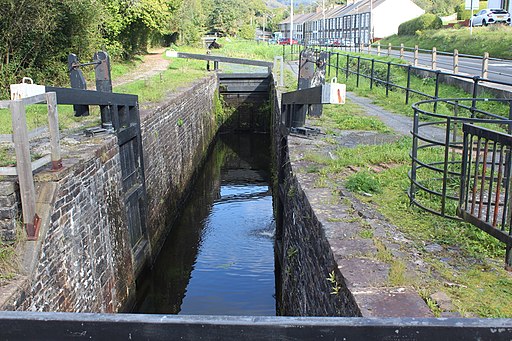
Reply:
x=219, y=257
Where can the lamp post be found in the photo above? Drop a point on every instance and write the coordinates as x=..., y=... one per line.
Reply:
x=370, y=35
x=291, y=22
x=323, y=19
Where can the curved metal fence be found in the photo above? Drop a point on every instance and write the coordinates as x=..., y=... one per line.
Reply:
x=437, y=148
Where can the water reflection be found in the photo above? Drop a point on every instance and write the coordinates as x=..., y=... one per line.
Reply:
x=218, y=258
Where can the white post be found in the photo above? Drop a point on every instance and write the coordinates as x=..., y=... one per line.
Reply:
x=24, y=167
x=471, y=20
x=485, y=65
x=455, y=61
x=401, y=51
x=281, y=70
x=434, y=58
x=53, y=122
x=416, y=54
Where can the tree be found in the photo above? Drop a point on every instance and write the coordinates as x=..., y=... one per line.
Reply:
x=192, y=21
x=132, y=23
x=36, y=37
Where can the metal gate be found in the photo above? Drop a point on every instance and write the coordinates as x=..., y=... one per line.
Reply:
x=485, y=183
x=123, y=111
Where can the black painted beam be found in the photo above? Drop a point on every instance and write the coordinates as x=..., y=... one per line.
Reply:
x=91, y=97
x=63, y=326
x=225, y=59
x=304, y=96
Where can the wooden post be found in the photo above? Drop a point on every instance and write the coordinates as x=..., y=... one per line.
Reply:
x=24, y=168
x=455, y=61
x=434, y=58
x=378, y=48
x=401, y=51
x=485, y=65
x=416, y=54
x=53, y=123
x=389, y=49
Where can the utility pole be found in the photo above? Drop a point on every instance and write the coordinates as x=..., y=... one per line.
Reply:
x=291, y=22
x=371, y=23
x=323, y=19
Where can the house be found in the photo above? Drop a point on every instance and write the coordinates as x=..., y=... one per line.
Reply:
x=357, y=22
x=298, y=26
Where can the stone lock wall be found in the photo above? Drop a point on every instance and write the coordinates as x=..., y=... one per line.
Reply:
x=176, y=136
x=82, y=260
x=9, y=210
x=305, y=259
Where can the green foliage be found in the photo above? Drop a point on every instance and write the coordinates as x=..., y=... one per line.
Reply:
x=192, y=22
x=463, y=14
x=363, y=182
x=36, y=36
x=247, y=31
x=426, y=21
x=131, y=24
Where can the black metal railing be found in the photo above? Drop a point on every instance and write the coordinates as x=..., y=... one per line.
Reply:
x=394, y=76
x=437, y=145
x=485, y=183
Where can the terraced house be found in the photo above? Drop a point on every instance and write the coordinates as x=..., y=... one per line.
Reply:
x=357, y=22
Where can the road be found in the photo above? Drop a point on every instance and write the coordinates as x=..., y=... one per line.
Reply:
x=499, y=70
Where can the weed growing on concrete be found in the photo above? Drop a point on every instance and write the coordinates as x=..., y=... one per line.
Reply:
x=335, y=287
x=363, y=182
x=366, y=234
x=396, y=275
x=7, y=261
x=292, y=252
x=383, y=253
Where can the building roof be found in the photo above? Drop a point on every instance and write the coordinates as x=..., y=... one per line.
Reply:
x=354, y=7
x=298, y=19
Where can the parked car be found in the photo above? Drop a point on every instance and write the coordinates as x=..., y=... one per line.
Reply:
x=286, y=41
x=342, y=43
x=490, y=16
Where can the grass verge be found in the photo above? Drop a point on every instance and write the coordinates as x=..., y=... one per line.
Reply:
x=495, y=39
x=467, y=263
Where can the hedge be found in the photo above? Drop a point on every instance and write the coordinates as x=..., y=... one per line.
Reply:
x=426, y=21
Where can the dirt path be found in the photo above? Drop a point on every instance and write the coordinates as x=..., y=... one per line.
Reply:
x=152, y=64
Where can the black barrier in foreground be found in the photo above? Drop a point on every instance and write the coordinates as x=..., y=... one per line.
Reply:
x=76, y=326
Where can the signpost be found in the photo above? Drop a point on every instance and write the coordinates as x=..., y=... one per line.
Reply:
x=471, y=5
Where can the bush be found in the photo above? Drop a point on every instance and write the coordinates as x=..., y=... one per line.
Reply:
x=425, y=22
